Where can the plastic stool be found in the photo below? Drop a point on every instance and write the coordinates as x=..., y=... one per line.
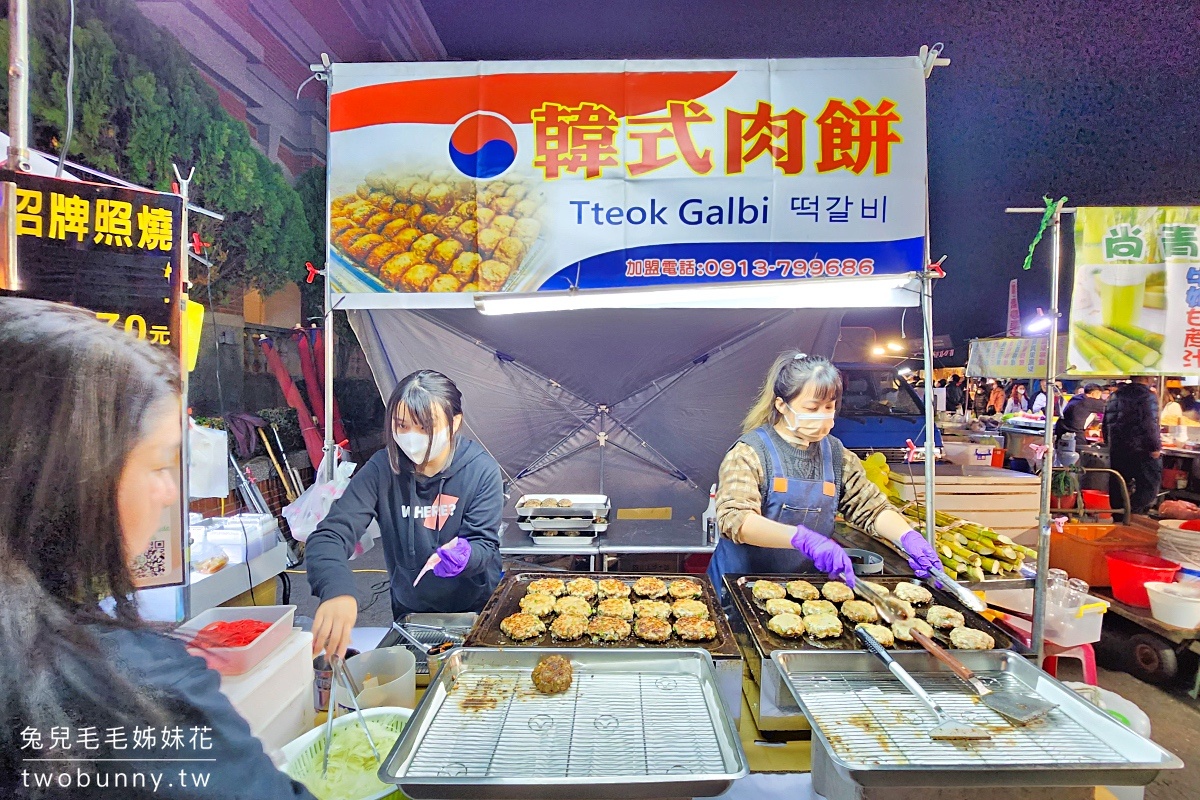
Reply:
x=1083, y=652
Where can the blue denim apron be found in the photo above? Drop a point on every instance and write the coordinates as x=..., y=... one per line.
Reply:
x=791, y=501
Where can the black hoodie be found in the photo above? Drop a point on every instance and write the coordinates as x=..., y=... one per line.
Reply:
x=466, y=498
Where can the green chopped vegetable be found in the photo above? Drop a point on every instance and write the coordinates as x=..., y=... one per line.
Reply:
x=352, y=766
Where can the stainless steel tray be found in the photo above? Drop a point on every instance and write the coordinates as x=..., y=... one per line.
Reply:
x=561, y=524
x=581, y=539
x=582, y=505
x=634, y=724
x=877, y=733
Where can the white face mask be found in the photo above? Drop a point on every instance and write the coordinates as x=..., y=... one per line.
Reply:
x=416, y=444
x=807, y=427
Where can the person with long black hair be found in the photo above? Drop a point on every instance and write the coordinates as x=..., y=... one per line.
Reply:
x=437, y=497
x=89, y=452
x=784, y=481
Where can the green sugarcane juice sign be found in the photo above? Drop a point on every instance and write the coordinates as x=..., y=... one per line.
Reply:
x=1136, y=305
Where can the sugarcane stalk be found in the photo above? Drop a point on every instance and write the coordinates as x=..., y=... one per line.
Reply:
x=1126, y=364
x=1149, y=338
x=979, y=547
x=964, y=554
x=1130, y=347
x=975, y=573
x=1099, y=363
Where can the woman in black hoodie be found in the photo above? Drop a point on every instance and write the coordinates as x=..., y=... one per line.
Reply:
x=437, y=498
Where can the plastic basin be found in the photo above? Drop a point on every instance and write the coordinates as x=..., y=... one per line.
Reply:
x=1130, y=570
x=1180, y=609
x=239, y=660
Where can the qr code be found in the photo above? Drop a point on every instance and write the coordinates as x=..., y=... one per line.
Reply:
x=152, y=563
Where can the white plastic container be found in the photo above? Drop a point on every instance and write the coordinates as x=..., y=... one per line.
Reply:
x=244, y=536
x=293, y=719
x=1062, y=630
x=238, y=660
x=396, y=670
x=968, y=454
x=1180, y=607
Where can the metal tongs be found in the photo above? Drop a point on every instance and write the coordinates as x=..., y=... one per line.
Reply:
x=962, y=593
x=342, y=675
x=890, y=608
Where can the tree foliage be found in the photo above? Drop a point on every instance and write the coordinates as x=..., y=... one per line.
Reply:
x=140, y=106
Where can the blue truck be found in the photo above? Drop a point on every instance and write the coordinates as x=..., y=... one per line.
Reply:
x=879, y=412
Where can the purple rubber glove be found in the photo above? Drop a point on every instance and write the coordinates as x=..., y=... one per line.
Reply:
x=453, y=557
x=827, y=555
x=921, y=555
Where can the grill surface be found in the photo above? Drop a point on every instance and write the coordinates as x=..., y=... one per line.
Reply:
x=630, y=718
x=877, y=733
x=755, y=617
x=506, y=600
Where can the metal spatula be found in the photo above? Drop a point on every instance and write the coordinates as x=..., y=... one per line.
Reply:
x=889, y=607
x=947, y=727
x=1020, y=708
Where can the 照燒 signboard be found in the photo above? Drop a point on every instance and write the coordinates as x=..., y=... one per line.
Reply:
x=1135, y=309
x=450, y=179
x=114, y=251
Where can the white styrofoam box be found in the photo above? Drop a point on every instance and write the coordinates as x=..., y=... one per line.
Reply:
x=295, y=718
x=236, y=534
x=256, y=694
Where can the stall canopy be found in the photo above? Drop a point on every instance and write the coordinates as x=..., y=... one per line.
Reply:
x=640, y=404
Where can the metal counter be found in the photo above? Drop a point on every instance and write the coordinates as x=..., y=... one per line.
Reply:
x=623, y=537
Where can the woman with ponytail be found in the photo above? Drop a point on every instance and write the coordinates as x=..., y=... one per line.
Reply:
x=91, y=697
x=783, y=482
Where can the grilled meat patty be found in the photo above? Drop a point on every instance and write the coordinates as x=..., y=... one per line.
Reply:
x=538, y=604
x=582, y=587
x=652, y=629
x=689, y=608
x=650, y=588
x=573, y=605
x=695, y=629
x=618, y=607
x=521, y=626
x=971, y=639
x=552, y=586
x=569, y=627
x=608, y=629
x=859, y=611
x=880, y=633
x=553, y=675
x=778, y=606
x=944, y=618
x=811, y=607
x=652, y=608
x=903, y=628
x=823, y=626
x=789, y=625
x=685, y=590
x=837, y=592
x=611, y=587
x=802, y=590
x=914, y=593
x=767, y=590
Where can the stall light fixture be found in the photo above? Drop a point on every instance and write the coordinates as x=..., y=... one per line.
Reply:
x=904, y=371
x=878, y=351
x=876, y=291
x=1039, y=324
x=895, y=347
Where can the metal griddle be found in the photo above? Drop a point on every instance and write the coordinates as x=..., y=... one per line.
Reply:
x=506, y=600
x=482, y=730
x=877, y=733
x=755, y=636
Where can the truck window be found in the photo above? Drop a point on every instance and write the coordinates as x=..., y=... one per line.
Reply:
x=875, y=392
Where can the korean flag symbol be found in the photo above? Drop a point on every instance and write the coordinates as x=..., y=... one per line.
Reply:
x=483, y=145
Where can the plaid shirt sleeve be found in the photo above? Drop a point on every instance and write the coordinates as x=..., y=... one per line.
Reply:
x=739, y=490
x=861, y=501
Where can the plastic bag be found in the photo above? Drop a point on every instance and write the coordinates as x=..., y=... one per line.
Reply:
x=208, y=461
x=306, y=512
x=206, y=557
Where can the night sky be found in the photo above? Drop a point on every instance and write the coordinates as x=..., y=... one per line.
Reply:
x=1093, y=99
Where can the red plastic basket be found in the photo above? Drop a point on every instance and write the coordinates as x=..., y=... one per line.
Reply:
x=1129, y=571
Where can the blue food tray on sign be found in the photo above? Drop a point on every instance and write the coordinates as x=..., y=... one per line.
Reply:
x=353, y=279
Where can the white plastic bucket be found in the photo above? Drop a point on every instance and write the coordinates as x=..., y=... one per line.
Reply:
x=1175, y=604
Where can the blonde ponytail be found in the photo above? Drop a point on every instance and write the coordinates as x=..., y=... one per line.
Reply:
x=788, y=376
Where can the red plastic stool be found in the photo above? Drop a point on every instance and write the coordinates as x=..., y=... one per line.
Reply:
x=1083, y=652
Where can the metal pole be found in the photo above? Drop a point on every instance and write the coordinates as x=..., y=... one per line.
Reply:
x=184, y=476
x=930, y=402
x=330, y=342
x=1043, y=560
x=18, y=85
